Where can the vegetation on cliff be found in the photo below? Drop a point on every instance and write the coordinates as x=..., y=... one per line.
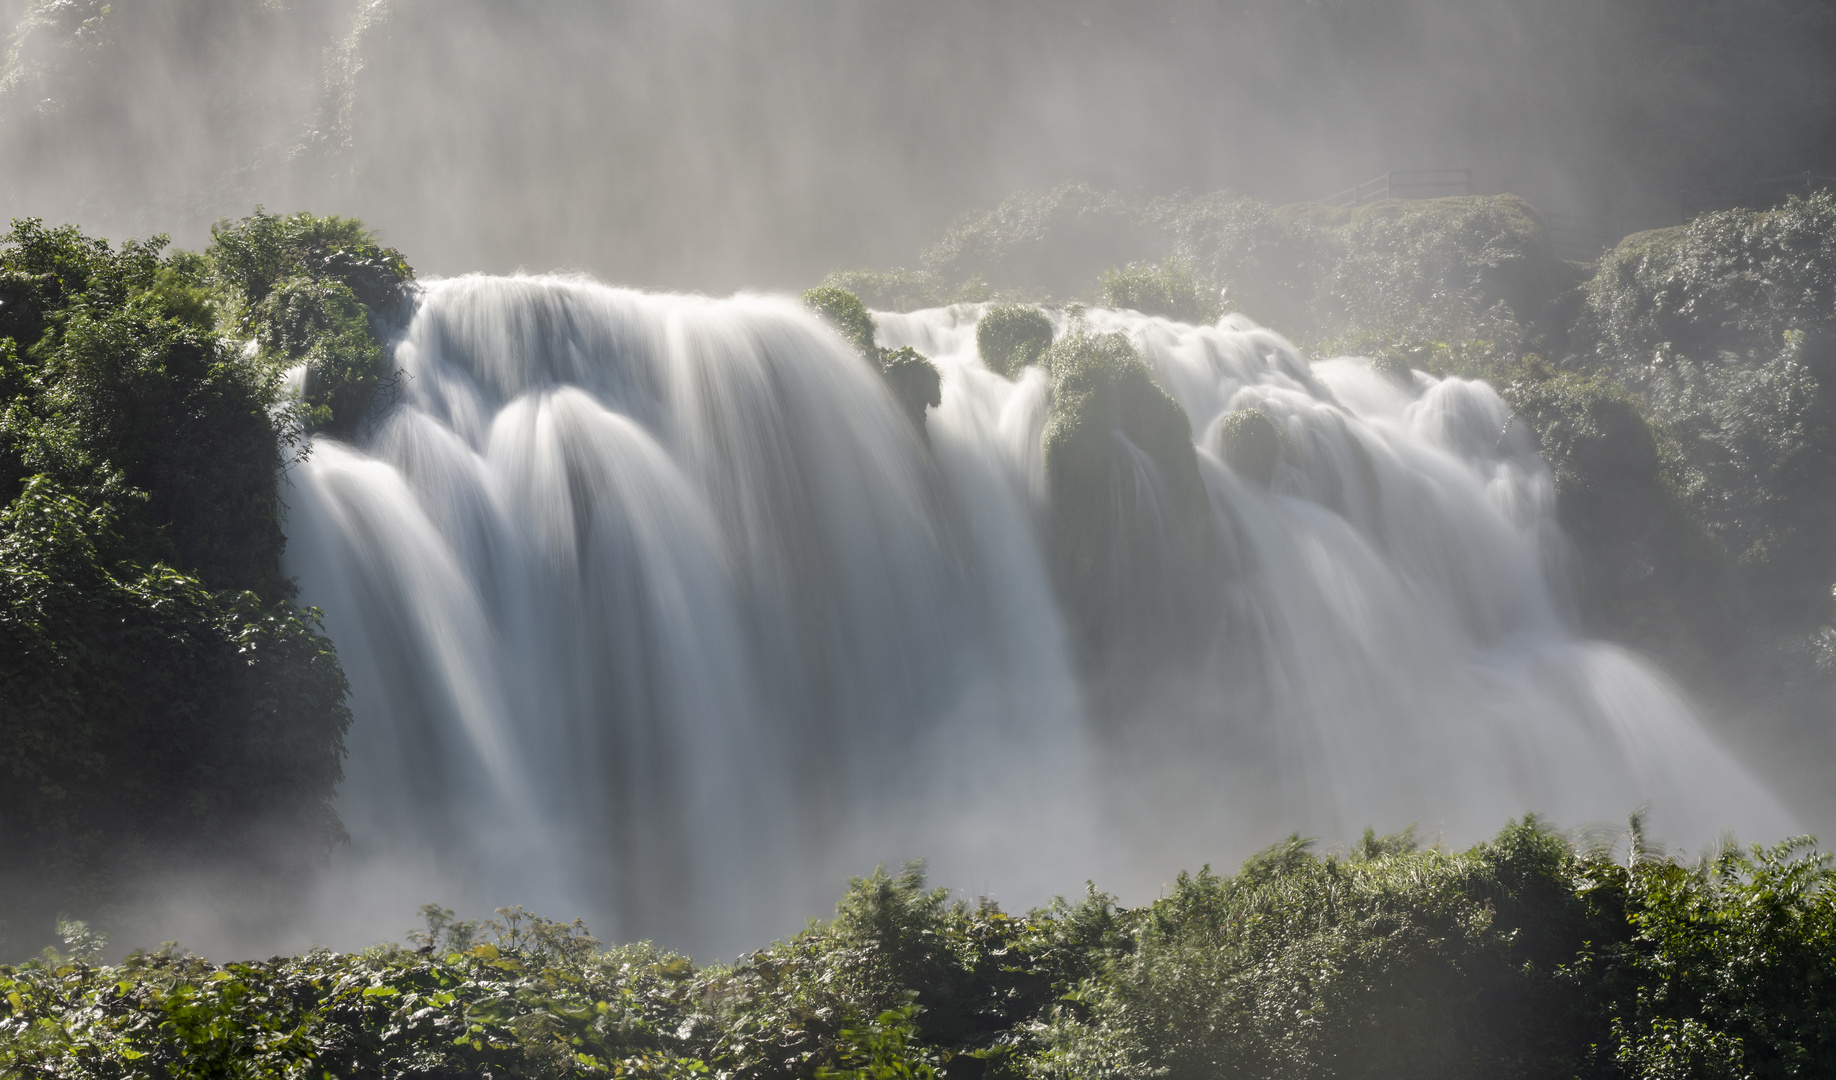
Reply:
x=163, y=704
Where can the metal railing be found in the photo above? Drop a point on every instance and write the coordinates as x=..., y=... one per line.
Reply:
x=1406, y=184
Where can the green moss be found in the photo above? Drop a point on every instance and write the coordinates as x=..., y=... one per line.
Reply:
x=914, y=381
x=909, y=374
x=1252, y=443
x=1012, y=336
x=844, y=311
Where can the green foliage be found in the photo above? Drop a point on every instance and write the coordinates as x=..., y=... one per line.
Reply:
x=1641, y=558
x=146, y=716
x=847, y=314
x=1253, y=443
x=1168, y=289
x=889, y=290
x=1725, y=329
x=1044, y=243
x=119, y=396
x=1519, y=957
x=1469, y=268
x=1012, y=336
x=317, y=291
x=163, y=703
x=909, y=374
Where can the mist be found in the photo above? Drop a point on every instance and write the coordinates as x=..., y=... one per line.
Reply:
x=748, y=148
x=711, y=146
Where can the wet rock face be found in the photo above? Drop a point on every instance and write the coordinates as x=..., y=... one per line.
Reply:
x=1130, y=519
x=1252, y=443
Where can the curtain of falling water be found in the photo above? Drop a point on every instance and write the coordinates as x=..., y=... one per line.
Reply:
x=657, y=611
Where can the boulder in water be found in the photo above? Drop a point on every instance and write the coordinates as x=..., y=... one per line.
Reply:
x=1011, y=336
x=1130, y=516
x=1252, y=443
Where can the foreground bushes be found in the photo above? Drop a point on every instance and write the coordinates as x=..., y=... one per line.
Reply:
x=1521, y=957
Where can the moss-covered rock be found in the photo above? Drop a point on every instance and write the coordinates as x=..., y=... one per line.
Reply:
x=914, y=381
x=1012, y=336
x=847, y=314
x=1131, y=522
x=1643, y=571
x=1252, y=444
x=909, y=374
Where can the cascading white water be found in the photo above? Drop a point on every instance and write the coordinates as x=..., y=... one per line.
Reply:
x=658, y=611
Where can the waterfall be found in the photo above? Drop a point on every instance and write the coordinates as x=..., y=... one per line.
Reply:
x=658, y=611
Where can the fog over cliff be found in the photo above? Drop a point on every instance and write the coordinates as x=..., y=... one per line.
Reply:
x=717, y=144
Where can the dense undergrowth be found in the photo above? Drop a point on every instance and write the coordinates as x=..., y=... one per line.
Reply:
x=163, y=704
x=1524, y=956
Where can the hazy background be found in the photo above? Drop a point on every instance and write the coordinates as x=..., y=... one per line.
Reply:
x=719, y=143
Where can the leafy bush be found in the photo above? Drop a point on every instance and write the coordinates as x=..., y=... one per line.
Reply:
x=1166, y=289
x=164, y=705
x=848, y=315
x=1012, y=336
x=1726, y=331
x=318, y=291
x=1045, y=243
x=889, y=290
x=1520, y=957
x=149, y=719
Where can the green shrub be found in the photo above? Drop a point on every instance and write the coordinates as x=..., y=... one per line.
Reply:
x=162, y=700
x=1267, y=264
x=889, y=290
x=1726, y=330
x=319, y=322
x=1642, y=561
x=1519, y=957
x=1044, y=243
x=1012, y=336
x=318, y=291
x=1166, y=289
x=847, y=314
x=148, y=719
